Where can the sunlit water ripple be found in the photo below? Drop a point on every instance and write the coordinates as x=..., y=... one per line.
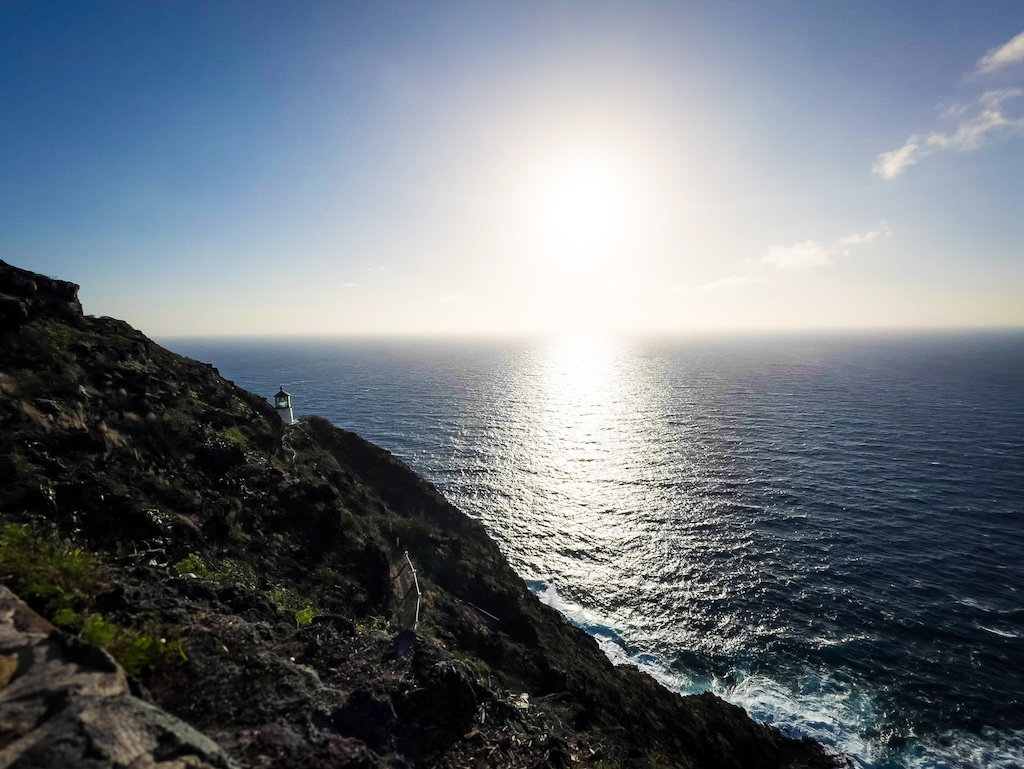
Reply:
x=828, y=531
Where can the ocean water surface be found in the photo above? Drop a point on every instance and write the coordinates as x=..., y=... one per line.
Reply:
x=827, y=530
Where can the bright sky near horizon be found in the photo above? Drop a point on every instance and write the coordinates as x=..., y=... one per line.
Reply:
x=475, y=167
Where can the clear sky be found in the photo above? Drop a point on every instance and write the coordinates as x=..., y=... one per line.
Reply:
x=447, y=167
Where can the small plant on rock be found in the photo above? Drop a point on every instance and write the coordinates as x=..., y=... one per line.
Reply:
x=43, y=569
x=63, y=582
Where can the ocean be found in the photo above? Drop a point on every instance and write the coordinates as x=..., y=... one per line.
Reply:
x=827, y=530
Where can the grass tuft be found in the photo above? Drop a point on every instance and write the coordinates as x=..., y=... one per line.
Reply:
x=43, y=569
x=63, y=581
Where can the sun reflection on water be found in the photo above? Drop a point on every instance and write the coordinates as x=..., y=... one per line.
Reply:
x=584, y=409
x=588, y=423
x=618, y=466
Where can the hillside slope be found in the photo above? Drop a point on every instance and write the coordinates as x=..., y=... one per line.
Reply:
x=267, y=567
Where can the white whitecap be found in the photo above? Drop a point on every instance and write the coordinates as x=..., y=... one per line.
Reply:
x=998, y=632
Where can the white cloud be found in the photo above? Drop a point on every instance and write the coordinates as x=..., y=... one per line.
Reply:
x=994, y=99
x=350, y=285
x=988, y=118
x=976, y=123
x=974, y=131
x=1004, y=56
x=791, y=258
x=811, y=253
x=447, y=298
x=883, y=231
x=799, y=256
x=889, y=165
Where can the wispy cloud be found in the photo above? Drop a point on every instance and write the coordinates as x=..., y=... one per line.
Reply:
x=448, y=298
x=794, y=257
x=883, y=231
x=990, y=120
x=1003, y=56
x=993, y=115
x=798, y=256
x=811, y=253
x=350, y=285
x=889, y=165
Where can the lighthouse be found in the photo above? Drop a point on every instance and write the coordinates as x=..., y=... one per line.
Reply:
x=283, y=404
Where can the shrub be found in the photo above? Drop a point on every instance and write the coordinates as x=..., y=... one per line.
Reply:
x=142, y=651
x=289, y=600
x=65, y=581
x=45, y=570
x=99, y=632
x=51, y=337
x=230, y=571
x=235, y=436
x=233, y=572
x=137, y=651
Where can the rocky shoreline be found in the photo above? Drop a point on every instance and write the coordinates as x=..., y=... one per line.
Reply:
x=254, y=581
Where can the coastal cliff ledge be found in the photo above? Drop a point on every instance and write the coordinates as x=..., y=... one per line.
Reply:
x=260, y=584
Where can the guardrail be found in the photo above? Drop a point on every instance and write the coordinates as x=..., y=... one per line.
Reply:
x=419, y=595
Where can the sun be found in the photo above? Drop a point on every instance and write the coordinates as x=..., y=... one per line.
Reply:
x=583, y=206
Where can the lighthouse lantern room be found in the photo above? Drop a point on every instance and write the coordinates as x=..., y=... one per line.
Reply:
x=283, y=404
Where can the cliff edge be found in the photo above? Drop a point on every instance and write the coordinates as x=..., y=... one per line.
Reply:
x=262, y=583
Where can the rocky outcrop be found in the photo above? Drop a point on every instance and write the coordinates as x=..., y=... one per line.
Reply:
x=64, y=703
x=274, y=560
x=26, y=295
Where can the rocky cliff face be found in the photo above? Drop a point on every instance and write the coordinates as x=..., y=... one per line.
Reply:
x=25, y=295
x=256, y=580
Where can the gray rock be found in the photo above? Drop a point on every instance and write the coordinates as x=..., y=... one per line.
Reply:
x=67, y=705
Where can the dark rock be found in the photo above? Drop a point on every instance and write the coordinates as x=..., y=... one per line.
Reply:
x=26, y=295
x=405, y=641
x=241, y=600
x=558, y=754
x=48, y=406
x=67, y=704
x=443, y=704
x=367, y=717
x=85, y=440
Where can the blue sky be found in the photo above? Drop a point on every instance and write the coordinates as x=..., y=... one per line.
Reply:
x=250, y=167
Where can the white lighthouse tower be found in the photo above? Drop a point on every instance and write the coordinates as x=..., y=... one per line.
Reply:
x=283, y=404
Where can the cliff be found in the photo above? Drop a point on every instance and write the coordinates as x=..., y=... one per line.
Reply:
x=251, y=580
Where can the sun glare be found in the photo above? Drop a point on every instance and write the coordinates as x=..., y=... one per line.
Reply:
x=582, y=222
x=583, y=206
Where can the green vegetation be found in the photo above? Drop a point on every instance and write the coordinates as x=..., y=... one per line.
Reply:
x=232, y=572
x=289, y=600
x=51, y=337
x=369, y=624
x=63, y=581
x=236, y=436
x=137, y=651
x=18, y=465
x=44, y=570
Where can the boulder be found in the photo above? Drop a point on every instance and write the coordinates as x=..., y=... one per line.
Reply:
x=65, y=703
